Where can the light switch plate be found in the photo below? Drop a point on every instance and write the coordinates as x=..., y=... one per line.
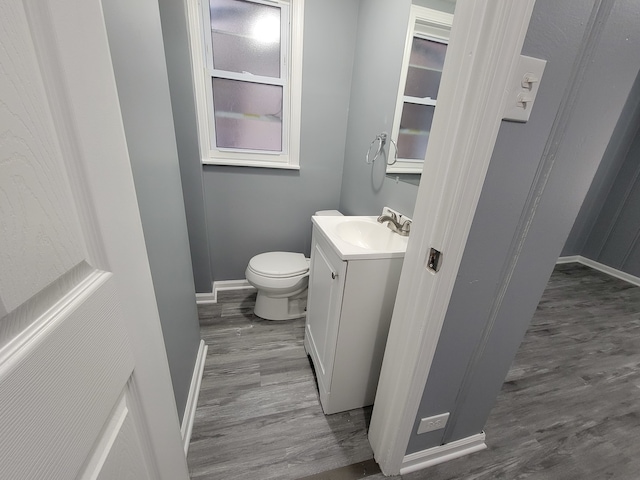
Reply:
x=429, y=424
x=524, y=88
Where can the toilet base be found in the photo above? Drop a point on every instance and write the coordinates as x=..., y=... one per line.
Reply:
x=282, y=308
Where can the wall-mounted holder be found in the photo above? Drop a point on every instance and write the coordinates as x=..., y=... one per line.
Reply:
x=381, y=140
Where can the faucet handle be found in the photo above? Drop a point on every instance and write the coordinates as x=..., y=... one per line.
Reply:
x=405, y=228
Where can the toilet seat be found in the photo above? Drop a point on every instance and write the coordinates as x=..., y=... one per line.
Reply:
x=278, y=273
x=279, y=264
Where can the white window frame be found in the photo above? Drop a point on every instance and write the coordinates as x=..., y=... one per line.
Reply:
x=431, y=25
x=291, y=63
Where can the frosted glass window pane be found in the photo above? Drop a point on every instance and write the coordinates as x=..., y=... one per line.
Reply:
x=245, y=37
x=425, y=68
x=415, y=126
x=247, y=115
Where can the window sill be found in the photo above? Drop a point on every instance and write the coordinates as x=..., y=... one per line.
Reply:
x=249, y=163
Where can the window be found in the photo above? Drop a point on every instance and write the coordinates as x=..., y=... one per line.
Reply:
x=247, y=74
x=425, y=51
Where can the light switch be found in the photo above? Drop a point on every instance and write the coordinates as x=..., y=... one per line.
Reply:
x=524, y=88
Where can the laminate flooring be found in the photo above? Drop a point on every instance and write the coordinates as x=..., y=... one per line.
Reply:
x=569, y=408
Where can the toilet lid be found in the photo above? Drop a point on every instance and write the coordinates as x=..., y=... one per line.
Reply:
x=279, y=264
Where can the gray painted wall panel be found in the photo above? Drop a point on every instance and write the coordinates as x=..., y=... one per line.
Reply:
x=253, y=210
x=612, y=161
x=509, y=178
x=612, y=208
x=135, y=40
x=382, y=29
x=176, y=45
x=613, y=239
x=631, y=263
x=481, y=334
x=591, y=122
x=625, y=229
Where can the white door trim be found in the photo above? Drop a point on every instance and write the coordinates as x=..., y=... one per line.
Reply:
x=83, y=98
x=483, y=53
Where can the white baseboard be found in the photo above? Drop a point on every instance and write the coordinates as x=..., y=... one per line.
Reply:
x=602, y=268
x=221, y=286
x=443, y=453
x=192, y=399
x=569, y=259
x=205, y=298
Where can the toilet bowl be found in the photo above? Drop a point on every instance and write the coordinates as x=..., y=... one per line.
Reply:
x=281, y=279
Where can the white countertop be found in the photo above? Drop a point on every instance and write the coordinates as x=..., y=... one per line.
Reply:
x=390, y=244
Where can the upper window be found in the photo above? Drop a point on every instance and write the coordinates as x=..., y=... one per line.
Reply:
x=425, y=51
x=247, y=79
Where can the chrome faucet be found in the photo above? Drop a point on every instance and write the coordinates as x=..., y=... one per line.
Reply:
x=394, y=224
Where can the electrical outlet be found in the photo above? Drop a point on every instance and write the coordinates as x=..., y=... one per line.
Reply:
x=429, y=424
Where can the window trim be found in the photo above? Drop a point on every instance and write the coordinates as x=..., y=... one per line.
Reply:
x=289, y=158
x=431, y=25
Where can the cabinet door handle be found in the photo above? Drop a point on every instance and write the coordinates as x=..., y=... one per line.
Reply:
x=334, y=275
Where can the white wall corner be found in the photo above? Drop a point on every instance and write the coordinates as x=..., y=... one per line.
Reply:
x=442, y=453
x=192, y=400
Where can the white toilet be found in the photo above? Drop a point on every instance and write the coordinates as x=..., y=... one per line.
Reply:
x=281, y=279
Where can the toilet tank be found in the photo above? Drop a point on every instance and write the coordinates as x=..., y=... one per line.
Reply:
x=328, y=213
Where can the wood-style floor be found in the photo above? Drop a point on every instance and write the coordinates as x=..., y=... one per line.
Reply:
x=570, y=408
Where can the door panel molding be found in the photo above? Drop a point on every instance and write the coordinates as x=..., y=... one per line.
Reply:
x=52, y=410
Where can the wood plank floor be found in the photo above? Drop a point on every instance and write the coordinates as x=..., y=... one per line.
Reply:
x=570, y=408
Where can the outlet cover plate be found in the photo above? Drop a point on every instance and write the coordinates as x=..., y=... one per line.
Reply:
x=429, y=424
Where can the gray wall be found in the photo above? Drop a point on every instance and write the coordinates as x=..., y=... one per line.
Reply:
x=178, y=56
x=135, y=39
x=442, y=5
x=539, y=175
x=613, y=240
x=608, y=215
x=254, y=210
x=382, y=30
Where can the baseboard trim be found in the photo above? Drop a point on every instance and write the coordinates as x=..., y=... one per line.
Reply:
x=569, y=259
x=205, y=298
x=443, y=453
x=221, y=286
x=192, y=400
x=627, y=277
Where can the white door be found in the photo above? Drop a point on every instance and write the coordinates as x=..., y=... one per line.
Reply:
x=84, y=383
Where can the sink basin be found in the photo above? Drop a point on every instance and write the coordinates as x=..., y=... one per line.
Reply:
x=360, y=237
x=370, y=234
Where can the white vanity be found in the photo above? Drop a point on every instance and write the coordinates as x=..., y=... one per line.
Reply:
x=354, y=273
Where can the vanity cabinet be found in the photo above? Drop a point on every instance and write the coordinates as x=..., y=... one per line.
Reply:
x=349, y=309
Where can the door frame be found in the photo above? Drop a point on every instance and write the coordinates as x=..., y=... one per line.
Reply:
x=482, y=58
x=73, y=53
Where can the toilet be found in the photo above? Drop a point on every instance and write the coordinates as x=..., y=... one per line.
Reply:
x=281, y=279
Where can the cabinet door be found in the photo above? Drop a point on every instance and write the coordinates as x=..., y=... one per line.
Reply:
x=326, y=284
